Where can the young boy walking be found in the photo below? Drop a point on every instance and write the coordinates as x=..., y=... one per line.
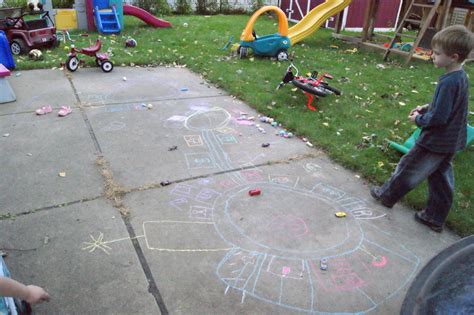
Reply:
x=443, y=123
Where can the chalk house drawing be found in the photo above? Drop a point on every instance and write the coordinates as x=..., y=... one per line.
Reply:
x=279, y=240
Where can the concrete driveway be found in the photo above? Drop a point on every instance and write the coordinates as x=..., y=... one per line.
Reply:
x=107, y=237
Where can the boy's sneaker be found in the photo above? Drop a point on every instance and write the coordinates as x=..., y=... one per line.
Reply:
x=423, y=218
x=375, y=193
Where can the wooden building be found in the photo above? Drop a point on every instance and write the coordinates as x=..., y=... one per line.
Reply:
x=352, y=16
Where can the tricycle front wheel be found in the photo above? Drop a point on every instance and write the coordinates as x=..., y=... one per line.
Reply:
x=72, y=63
x=106, y=66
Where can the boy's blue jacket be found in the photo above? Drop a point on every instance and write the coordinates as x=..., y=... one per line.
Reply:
x=444, y=124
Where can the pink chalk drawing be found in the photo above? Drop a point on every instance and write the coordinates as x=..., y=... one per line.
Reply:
x=285, y=270
x=343, y=277
x=227, y=183
x=380, y=262
x=244, y=122
x=347, y=281
x=252, y=175
x=289, y=225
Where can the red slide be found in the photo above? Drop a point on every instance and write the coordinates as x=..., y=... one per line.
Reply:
x=145, y=16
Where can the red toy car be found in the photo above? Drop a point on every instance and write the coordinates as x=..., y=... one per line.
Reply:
x=24, y=35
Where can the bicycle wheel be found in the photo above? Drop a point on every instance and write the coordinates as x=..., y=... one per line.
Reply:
x=330, y=88
x=308, y=87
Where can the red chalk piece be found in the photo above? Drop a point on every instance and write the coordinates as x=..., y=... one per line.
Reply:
x=254, y=192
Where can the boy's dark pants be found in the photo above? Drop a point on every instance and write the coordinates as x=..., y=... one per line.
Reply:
x=417, y=165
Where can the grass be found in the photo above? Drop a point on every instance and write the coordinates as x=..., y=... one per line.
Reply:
x=353, y=128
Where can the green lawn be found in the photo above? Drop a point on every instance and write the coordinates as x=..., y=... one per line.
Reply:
x=353, y=128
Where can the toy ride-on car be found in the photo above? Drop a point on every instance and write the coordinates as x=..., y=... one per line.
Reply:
x=26, y=34
x=273, y=45
x=101, y=59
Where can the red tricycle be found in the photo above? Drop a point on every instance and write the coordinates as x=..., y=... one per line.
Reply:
x=313, y=86
x=101, y=59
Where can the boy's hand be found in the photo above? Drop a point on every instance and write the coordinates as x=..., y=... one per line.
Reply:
x=418, y=109
x=413, y=115
x=36, y=294
x=414, y=110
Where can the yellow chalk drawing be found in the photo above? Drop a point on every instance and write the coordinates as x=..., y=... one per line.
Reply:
x=99, y=243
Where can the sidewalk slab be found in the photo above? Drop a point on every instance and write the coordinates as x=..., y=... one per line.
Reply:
x=37, y=88
x=126, y=85
x=37, y=149
x=217, y=248
x=50, y=253
x=209, y=139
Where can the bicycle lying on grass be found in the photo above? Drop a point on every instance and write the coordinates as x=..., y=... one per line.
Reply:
x=312, y=86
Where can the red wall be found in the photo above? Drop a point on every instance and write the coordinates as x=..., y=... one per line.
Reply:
x=386, y=14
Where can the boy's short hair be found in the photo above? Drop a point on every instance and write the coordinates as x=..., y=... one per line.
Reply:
x=454, y=39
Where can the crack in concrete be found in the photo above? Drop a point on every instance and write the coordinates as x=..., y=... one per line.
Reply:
x=288, y=160
x=115, y=193
x=61, y=205
x=97, y=105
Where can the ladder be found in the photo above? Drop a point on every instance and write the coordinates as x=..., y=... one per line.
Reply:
x=424, y=24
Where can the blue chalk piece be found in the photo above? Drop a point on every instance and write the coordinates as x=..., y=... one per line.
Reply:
x=184, y=89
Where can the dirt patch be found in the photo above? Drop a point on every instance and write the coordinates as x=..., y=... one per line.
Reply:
x=112, y=190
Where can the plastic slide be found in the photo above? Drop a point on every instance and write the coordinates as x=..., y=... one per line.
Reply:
x=144, y=16
x=315, y=18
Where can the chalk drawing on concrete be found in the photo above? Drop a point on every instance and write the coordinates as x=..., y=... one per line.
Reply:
x=114, y=126
x=155, y=241
x=193, y=140
x=199, y=160
x=273, y=244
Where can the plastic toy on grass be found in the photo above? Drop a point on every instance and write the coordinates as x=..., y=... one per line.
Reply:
x=24, y=35
x=64, y=35
x=101, y=59
x=410, y=142
x=273, y=45
x=130, y=42
x=312, y=86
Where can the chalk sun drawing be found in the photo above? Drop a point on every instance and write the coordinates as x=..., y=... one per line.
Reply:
x=275, y=243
